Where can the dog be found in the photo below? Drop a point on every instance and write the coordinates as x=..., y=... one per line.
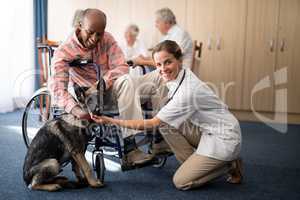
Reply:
x=61, y=140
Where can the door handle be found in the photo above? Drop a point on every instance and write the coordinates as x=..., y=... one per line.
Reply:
x=209, y=43
x=282, y=45
x=271, y=45
x=219, y=43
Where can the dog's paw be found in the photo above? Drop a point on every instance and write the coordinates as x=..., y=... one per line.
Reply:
x=97, y=184
x=82, y=182
x=54, y=188
x=46, y=187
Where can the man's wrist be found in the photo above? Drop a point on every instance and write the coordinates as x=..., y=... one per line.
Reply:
x=77, y=111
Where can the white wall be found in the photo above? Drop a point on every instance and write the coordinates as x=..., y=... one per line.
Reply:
x=60, y=15
x=16, y=54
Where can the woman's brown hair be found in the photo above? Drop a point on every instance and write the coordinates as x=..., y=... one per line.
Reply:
x=169, y=46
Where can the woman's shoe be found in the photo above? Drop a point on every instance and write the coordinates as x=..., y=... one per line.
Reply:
x=235, y=173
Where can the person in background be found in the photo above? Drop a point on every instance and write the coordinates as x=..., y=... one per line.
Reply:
x=167, y=25
x=132, y=47
x=204, y=136
x=90, y=41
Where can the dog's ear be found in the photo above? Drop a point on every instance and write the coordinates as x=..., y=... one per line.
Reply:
x=80, y=92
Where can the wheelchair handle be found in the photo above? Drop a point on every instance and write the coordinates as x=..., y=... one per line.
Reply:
x=84, y=62
x=80, y=62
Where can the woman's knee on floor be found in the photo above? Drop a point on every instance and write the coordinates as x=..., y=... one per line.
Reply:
x=180, y=182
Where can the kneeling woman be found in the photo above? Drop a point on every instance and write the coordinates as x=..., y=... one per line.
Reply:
x=204, y=136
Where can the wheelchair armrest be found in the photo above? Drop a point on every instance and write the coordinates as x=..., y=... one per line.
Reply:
x=131, y=64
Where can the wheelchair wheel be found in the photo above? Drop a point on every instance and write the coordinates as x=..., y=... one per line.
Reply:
x=36, y=114
x=100, y=166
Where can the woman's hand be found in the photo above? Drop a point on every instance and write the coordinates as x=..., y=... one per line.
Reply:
x=101, y=119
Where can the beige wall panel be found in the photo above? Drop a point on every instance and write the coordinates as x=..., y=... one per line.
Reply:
x=119, y=15
x=143, y=16
x=260, y=55
x=289, y=52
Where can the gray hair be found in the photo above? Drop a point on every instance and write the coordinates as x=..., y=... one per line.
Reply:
x=166, y=15
x=77, y=18
x=133, y=29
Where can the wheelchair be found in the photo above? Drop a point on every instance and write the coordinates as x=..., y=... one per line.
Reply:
x=106, y=141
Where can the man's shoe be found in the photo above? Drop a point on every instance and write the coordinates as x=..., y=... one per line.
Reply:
x=160, y=148
x=235, y=173
x=137, y=156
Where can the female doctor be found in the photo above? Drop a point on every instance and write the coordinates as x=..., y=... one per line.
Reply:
x=204, y=136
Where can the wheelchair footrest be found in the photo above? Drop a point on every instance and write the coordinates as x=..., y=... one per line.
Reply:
x=129, y=144
x=155, y=161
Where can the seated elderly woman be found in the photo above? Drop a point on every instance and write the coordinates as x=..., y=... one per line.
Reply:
x=204, y=136
x=132, y=47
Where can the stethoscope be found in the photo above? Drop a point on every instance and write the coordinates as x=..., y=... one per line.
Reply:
x=176, y=88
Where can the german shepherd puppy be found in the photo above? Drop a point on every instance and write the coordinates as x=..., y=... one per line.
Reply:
x=59, y=141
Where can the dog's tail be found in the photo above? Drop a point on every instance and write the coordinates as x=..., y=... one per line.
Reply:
x=73, y=185
x=65, y=183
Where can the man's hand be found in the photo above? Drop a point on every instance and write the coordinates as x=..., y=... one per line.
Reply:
x=80, y=114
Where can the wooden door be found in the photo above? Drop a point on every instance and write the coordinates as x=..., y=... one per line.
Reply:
x=226, y=73
x=220, y=25
x=200, y=24
x=260, y=54
x=289, y=55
